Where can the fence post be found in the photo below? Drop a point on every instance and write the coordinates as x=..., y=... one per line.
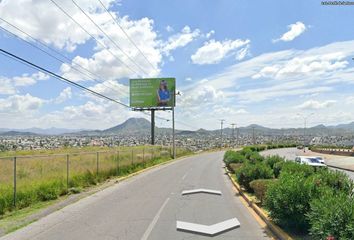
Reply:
x=97, y=162
x=15, y=180
x=67, y=171
x=144, y=155
x=118, y=162
x=132, y=156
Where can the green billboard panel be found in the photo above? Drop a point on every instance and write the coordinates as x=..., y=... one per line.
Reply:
x=152, y=92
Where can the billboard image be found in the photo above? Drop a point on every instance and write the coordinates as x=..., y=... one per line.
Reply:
x=152, y=92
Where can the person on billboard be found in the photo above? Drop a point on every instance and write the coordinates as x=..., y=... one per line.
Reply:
x=163, y=94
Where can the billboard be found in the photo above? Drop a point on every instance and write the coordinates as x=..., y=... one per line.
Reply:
x=152, y=92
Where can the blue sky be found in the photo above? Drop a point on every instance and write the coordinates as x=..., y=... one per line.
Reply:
x=261, y=62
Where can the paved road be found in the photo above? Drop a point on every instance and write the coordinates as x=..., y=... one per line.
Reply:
x=291, y=153
x=148, y=205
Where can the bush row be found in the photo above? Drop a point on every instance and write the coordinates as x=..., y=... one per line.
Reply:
x=318, y=202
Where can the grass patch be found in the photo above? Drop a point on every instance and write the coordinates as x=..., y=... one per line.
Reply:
x=47, y=177
x=12, y=221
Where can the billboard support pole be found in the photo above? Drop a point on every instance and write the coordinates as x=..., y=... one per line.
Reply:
x=173, y=132
x=152, y=126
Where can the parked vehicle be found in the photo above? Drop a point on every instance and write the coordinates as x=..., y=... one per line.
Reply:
x=309, y=160
x=320, y=159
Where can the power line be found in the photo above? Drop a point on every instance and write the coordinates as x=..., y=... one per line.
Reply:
x=127, y=35
x=99, y=42
x=44, y=45
x=32, y=65
x=63, y=79
x=51, y=55
x=107, y=36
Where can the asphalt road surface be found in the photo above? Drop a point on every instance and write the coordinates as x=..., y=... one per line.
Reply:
x=291, y=153
x=148, y=205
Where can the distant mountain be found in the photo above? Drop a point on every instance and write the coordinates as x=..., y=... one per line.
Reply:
x=15, y=133
x=141, y=126
x=130, y=126
x=349, y=126
x=42, y=131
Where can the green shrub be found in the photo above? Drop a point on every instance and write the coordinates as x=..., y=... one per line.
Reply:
x=260, y=187
x=249, y=172
x=233, y=157
x=255, y=157
x=332, y=215
x=288, y=200
x=246, y=151
x=293, y=167
x=257, y=148
x=228, y=154
x=272, y=160
x=277, y=168
x=336, y=180
x=234, y=166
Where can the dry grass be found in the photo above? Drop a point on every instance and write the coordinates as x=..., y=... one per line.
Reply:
x=53, y=173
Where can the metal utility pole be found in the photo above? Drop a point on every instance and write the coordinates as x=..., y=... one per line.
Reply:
x=221, y=128
x=233, y=129
x=253, y=136
x=233, y=132
x=237, y=136
x=173, y=133
x=173, y=124
x=152, y=126
x=305, y=121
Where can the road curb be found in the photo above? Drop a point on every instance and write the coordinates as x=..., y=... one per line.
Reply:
x=277, y=231
x=341, y=168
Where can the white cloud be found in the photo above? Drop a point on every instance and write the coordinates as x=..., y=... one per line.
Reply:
x=112, y=89
x=349, y=100
x=169, y=28
x=10, y=85
x=188, y=79
x=310, y=70
x=222, y=110
x=43, y=20
x=180, y=39
x=64, y=95
x=313, y=104
x=295, y=30
x=209, y=34
x=201, y=96
x=214, y=51
x=108, y=66
x=303, y=64
x=20, y=103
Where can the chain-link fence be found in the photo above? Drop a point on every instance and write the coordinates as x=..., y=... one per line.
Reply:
x=33, y=178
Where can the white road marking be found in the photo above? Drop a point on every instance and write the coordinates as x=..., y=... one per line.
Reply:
x=154, y=221
x=201, y=190
x=209, y=230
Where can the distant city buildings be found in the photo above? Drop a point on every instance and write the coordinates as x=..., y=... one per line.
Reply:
x=193, y=142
